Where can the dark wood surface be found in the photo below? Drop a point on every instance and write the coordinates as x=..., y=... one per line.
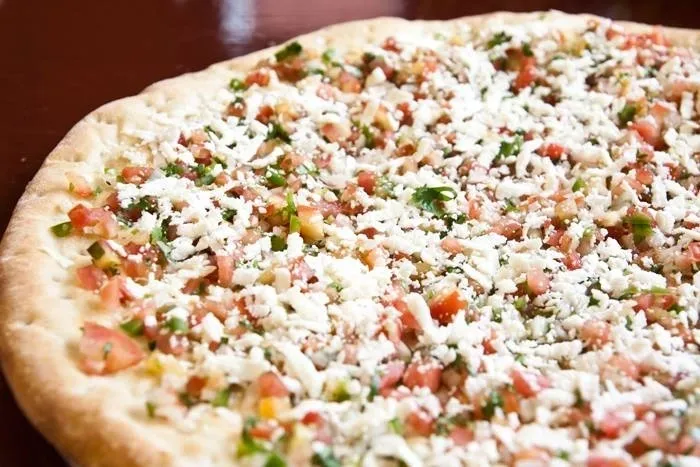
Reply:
x=59, y=59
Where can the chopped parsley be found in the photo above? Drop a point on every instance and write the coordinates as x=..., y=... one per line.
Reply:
x=177, y=325
x=325, y=458
x=62, y=230
x=498, y=39
x=627, y=114
x=509, y=148
x=237, y=85
x=221, y=398
x=493, y=401
x=274, y=177
x=278, y=243
x=277, y=131
x=292, y=49
x=431, y=198
x=640, y=225
x=133, y=327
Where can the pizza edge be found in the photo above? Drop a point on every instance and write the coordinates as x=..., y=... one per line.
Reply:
x=76, y=413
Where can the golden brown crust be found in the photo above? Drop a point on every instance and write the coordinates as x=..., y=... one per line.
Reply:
x=98, y=421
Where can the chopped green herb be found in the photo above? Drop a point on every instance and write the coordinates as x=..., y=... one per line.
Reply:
x=511, y=206
x=431, y=198
x=369, y=137
x=451, y=219
x=325, y=458
x=291, y=208
x=510, y=148
x=561, y=454
x=629, y=323
x=278, y=243
x=291, y=50
x=308, y=169
x=496, y=315
x=228, y=214
x=209, y=129
x=498, y=39
x=373, y=388
x=340, y=393
x=527, y=50
x=578, y=185
x=96, y=250
x=133, y=327
x=221, y=398
x=327, y=56
x=247, y=445
x=520, y=303
x=640, y=224
x=627, y=113
x=62, y=230
x=274, y=177
x=294, y=224
x=396, y=426
x=177, y=325
x=173, y=169
x=237, y=85
x=277, y=131
x=492, y=402
x=151, y=409
x=275, y=460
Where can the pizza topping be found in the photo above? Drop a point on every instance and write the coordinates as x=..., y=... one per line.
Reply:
x=480, y=246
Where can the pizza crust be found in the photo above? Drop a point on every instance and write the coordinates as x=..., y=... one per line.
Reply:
x=99, y=421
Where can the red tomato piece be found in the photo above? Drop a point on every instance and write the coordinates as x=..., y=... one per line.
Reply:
x=509, y=228
x=367, y=181
x=136, y=175
x=603, y=461
x=444, y=306
x=271, y=385
x=106, y=351
x=104, y=223
x=552, y=150
x=91, y=277
x=572, y=261
x=537, y=281
x=391, y=377
x=527, y=74
x=224, y=267
x=595, y=333
x=423, y=374
x=461, y=436
x=349, y=83
x=528, y=384
x=649, y=130
x=420, y=423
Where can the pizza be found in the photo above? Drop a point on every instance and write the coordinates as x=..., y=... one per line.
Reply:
x=472, y=242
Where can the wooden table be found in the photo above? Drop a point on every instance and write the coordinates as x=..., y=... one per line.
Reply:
x=59, y=60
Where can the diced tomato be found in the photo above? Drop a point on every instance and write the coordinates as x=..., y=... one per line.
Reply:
x=406, y=114
x=509, y=228
x=648, y=301
x=79, y=185
x=461, y=436
x=445, y=305
x=112, y=292
x=171, y=344
x=263, y=430
x=259, y=77
x=604, y=461
x=527, y=74
x=104, y=223
x=407, y=319
x=626, y=366
x=572, y=261
x=271, y=385
x=300, y=271
x=613, y=424
x=552, y=150
x=224, y=267
x=420, y=423
x=649, y=130
x=91, y=277
x=528, y=384
x=531, y=457
x=423, y=374
x=106, y=351
x=136, y=175
x=334, y=132
x=391, y=376
x=195, y=385
x=349, y=83
x=391, y=45
x=135, y=268
x=451, y=245
x=367, y=181
x=694, y=252
x=595, y=333
x=511, y=403
x=653, y=435
x=537, y=281
x=474, y=209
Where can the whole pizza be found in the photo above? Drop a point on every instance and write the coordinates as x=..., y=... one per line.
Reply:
x=386, y=243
